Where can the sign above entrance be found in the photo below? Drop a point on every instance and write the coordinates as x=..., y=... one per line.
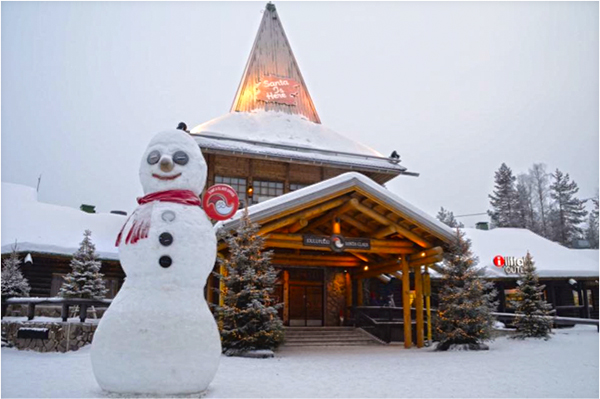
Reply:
x=336, y=242
x=274, y=89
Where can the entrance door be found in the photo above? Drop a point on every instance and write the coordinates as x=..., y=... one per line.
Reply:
x=306, y=305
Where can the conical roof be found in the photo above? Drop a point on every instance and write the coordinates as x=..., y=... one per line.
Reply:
x=272, y=80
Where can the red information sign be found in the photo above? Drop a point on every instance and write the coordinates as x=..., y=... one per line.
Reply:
x=220, y=202
x=277, y=90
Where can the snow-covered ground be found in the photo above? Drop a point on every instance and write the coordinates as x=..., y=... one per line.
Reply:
x=565, y=366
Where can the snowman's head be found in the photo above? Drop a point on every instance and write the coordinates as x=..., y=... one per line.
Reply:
x=173, y=161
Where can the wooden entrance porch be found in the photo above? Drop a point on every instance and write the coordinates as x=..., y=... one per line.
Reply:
x=348, y=229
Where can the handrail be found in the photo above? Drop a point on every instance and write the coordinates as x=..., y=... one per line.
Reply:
x=66, y=303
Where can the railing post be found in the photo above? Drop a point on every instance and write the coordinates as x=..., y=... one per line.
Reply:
x=30, y=311
x=64, y=313
x=82, y=312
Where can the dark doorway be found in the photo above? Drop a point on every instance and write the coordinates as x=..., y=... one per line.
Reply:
x=306, y=305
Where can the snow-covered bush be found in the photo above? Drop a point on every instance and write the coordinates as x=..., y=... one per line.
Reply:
x=13, y=282
x=85, y=281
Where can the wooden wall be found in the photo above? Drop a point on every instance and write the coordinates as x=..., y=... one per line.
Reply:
x=260, y=169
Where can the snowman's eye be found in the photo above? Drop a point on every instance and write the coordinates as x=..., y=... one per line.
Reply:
x=180, y=158
x=153, y=157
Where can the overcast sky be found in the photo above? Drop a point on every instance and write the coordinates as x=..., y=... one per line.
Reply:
x=455, y=88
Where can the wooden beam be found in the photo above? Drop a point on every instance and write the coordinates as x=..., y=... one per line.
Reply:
x=387, y=222
x=419, y=306
x=307, y=214
x=426, y=261
x=298, y=238
x=300, y=224
x=356, y=223
x=222, y=288
x=324, y=263
x=384, y=232
x=328, y=217
x=359, y=292
x=286, y=297
x=427, y=293
x=374, y=249
x=427, y=252
x=406, y=304
x=341, y=258
x=348, y=295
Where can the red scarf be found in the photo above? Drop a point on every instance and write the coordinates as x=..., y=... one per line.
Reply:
x=141, y=218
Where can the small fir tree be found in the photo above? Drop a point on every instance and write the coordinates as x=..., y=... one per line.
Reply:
x=249, y=318
x=464, y=318
x=504, y=200
x=447, y=217
x=569, y=210
x=532, y=310
x=85, y=280
x=13, y=282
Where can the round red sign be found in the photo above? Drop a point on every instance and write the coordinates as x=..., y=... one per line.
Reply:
x=499, y=261
x=220, y=202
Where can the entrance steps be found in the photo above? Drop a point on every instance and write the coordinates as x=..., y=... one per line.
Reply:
x=327, y=336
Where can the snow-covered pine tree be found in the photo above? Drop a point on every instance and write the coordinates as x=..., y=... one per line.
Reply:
x=85, y=279
x=466, y=300
x=13, y=282
x=532, y=309
x=504, y=200
x=525, y=203
x=539, y=179
x=447, y=217
x=591, y=232
x=249, y=318
x=569, y=210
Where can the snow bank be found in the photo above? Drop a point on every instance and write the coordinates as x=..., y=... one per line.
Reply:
x=47, y=228
x=551, y=259
x=564, y=366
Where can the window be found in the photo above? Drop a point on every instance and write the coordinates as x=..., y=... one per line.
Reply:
x=296, y=186
x=237, y=183
x=264, y=190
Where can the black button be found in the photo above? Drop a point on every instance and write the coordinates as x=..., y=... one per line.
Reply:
x=165, y=261
x=165, y=239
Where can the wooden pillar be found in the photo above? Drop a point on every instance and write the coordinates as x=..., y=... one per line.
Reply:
x=406, y=303
x=359, y=292
x=419, y=306
x=348, y=295
x=427, y=293
x=501, y=297
x=286, y=297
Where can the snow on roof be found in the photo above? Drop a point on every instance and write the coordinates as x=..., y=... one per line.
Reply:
x=336, y=184
x=551, y=259
x=54, y=229
x=288, y=136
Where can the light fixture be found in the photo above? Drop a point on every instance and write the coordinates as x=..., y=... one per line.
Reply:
x=366, y=268
x=250, y=191
x=573, y=282
x=28, y=259
x=422, y=254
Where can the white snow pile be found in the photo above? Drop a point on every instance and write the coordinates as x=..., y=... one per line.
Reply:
x=286, y=136
x=54, y=229
x=551, y=259
x=564, y=366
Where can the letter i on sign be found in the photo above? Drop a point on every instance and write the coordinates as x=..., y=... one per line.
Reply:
x=499, y=261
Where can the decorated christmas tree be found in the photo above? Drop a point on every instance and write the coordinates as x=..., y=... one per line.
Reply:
x=85, y=280
x=249, y=319
x=464, y=319
x=13, y=282
x=532, y=309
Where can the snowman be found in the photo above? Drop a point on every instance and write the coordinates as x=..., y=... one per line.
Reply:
x=159, y=337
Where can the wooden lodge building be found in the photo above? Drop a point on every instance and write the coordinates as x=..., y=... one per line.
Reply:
x=341, y=241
